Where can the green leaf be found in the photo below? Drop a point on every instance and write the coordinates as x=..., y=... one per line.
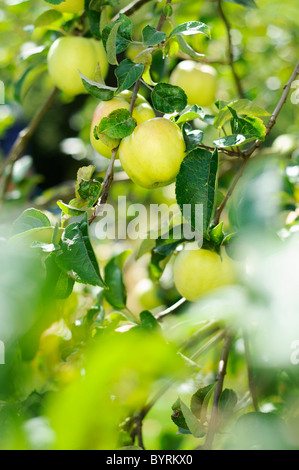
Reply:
x=127, y=74
x=185, y=47
x=196, y=183
x=30, y=219
x=98, y=90
x=46, y=18
x=84, y=173
x=59, y=281
x=250, y=125
x=71, y=208
x=77, y=254
x=29, y=77
x=190, y=28
x=148, y=322
x=242, y=107
x=200, y=400
x=192, y=138
x=190, y=113
x=89, y=191
x=115, y=291
x=233, y=140
x=117, y=125
x=168, y=98
x=227, y=402
x=110, y=44
x=122, y=34
x=216, y=234
x=152, y=37
x=185, y=419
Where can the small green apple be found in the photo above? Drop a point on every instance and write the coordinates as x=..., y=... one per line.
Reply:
x=198, y=80
x=147, y=295
x=153, y=153
x=142, y=112
x=68, y=6
x=198, y=272
x=69, y=55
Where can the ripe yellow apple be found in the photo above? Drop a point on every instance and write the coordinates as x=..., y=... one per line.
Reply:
x=198, y=272
x=198, y=80
x=153, y=153
x=69, y=55
x=68, y=6
x=142, y=112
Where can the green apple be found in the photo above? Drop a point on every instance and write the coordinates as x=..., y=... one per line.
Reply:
x=69, y=55
x=198, y=80
x=198, y=272
x=68, y=6
x=147, y=295
x=142, y=112
x=153, y=153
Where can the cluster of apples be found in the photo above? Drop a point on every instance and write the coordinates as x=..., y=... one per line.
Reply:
x=153, y=153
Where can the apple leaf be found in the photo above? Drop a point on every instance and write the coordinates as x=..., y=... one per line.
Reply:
x=190, y=113
x=127, y=73
x=192, y=137
x=185, y=47
x=121, y=34
x=152, y=37
x=190, y=28
x=168, y=98
x=233, y=140
x=243, y=107
x=77, y=254
x=98, y=90
x=46, y=18
x=30, y=219
x=200, y=400
x=117, y=125
x=196, y=184
x=115, y=291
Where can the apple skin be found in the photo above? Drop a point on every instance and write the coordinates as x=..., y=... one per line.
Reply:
x=142, y=112
x=69, y=6
x=147, y=295
x=198, y=80
x=199, y=272
x=153, y=153
x=69, y=55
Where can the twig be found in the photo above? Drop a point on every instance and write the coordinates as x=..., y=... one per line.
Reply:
x=212, y=429
x=25, y=135
x=163, y=17
x=277, y=110
x=230, y=51
x=109, y=175
x=246, y=155
x=170, y=310
x=230, y=191
x=131, y=8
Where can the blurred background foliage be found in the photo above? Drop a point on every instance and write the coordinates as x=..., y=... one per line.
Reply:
x=65, y=359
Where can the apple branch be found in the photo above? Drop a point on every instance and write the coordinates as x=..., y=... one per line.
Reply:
x=110, y=171
x=246, y=155
x=131, y=8
x=231, y=59
x=25, y=135
x=213, y=424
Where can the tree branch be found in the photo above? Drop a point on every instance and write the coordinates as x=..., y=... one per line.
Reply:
x=131, y=8
x=246, y=155
x=213, y=424
x=25, y=135
x=230, y=50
